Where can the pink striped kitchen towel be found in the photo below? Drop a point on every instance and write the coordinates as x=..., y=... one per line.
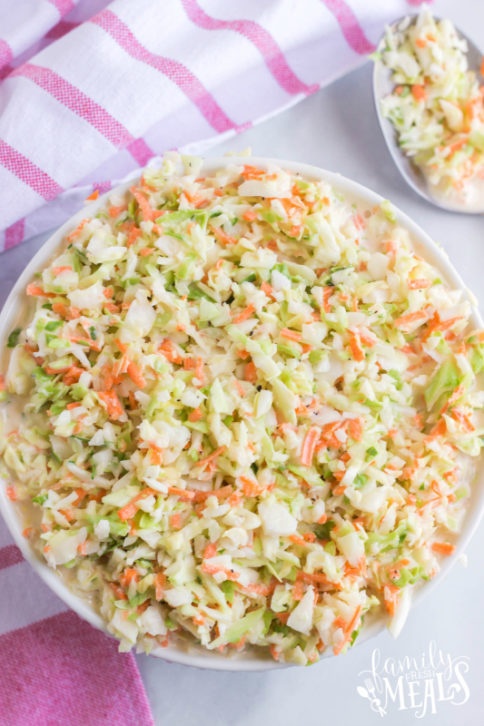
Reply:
x=90, y=89
x=56, y=669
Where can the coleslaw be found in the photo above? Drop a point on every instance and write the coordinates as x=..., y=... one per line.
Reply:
x=436, y=106
x=245, y=412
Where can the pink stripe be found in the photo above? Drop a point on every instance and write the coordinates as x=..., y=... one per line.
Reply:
x=102, y=187
x=13, y=236
x=263, y=41
x=5, y=71
x=60, y=670
x=6, y=54
x=10, y=555
x=63, y=6
x=62, y=28
x=76, y=101
x=28, y=172
x=176, y=72
x=140, y=151
x=350, y=26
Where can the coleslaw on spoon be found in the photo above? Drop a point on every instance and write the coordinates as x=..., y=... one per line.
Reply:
x=436, y=106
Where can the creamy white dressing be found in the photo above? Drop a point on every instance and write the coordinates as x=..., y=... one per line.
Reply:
x=468, y=199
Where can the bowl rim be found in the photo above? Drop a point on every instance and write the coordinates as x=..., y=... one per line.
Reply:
x=433, y=253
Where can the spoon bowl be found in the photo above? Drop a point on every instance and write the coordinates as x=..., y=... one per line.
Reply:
x=383, y=85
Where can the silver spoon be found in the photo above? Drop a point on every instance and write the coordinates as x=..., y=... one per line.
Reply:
x=382, y=86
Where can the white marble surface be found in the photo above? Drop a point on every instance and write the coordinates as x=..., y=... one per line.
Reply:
x=336, y=129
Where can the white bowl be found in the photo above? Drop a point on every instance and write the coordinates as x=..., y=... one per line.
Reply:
x=15, y=306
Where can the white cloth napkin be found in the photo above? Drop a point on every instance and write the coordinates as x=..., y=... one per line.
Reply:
x=92, y=89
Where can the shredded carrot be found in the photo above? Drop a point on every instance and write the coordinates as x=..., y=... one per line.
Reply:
x=250, y=487
x=252, y=172
x=244, y=315
x=118, y=591
x=133, y=234
x=355, y=428
x=111, y=308
x=112, y=403
x=115, y=211
x=328, y=437
x=463, y=419
x=81, y=494
x=156, y=455
x=458, y=144
x=367, y=338
x=145, y=208
x=197, y=200
x=169, y=350
x=195, y=415
x=85, y=341
x=36, y=291
x=309, y=445
x=267, y=289
x=240, y=388
x=249, y=215
x=327, y=293
x=290, y=334
x=129, y=510
x=419, y=284
x=160, y=585
x=122, y=346
x=222, y=493
x=359, y=221
x=222, y=236
x=208, y=460
x=72, y=236
x=11, y=493
x=317, y=578
x=250, y=372
x=55, y=371
x=298, y=590
x=443, y=548
x=135, y=373
x=210, y=550
x=183, y=494
x=129, y=575
x=347, y=631
x=390, y=596
x=60, y=309
x=438, y=430
x=419, y=93
x=405, y=322
x=176, y=520
x=355, y=346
